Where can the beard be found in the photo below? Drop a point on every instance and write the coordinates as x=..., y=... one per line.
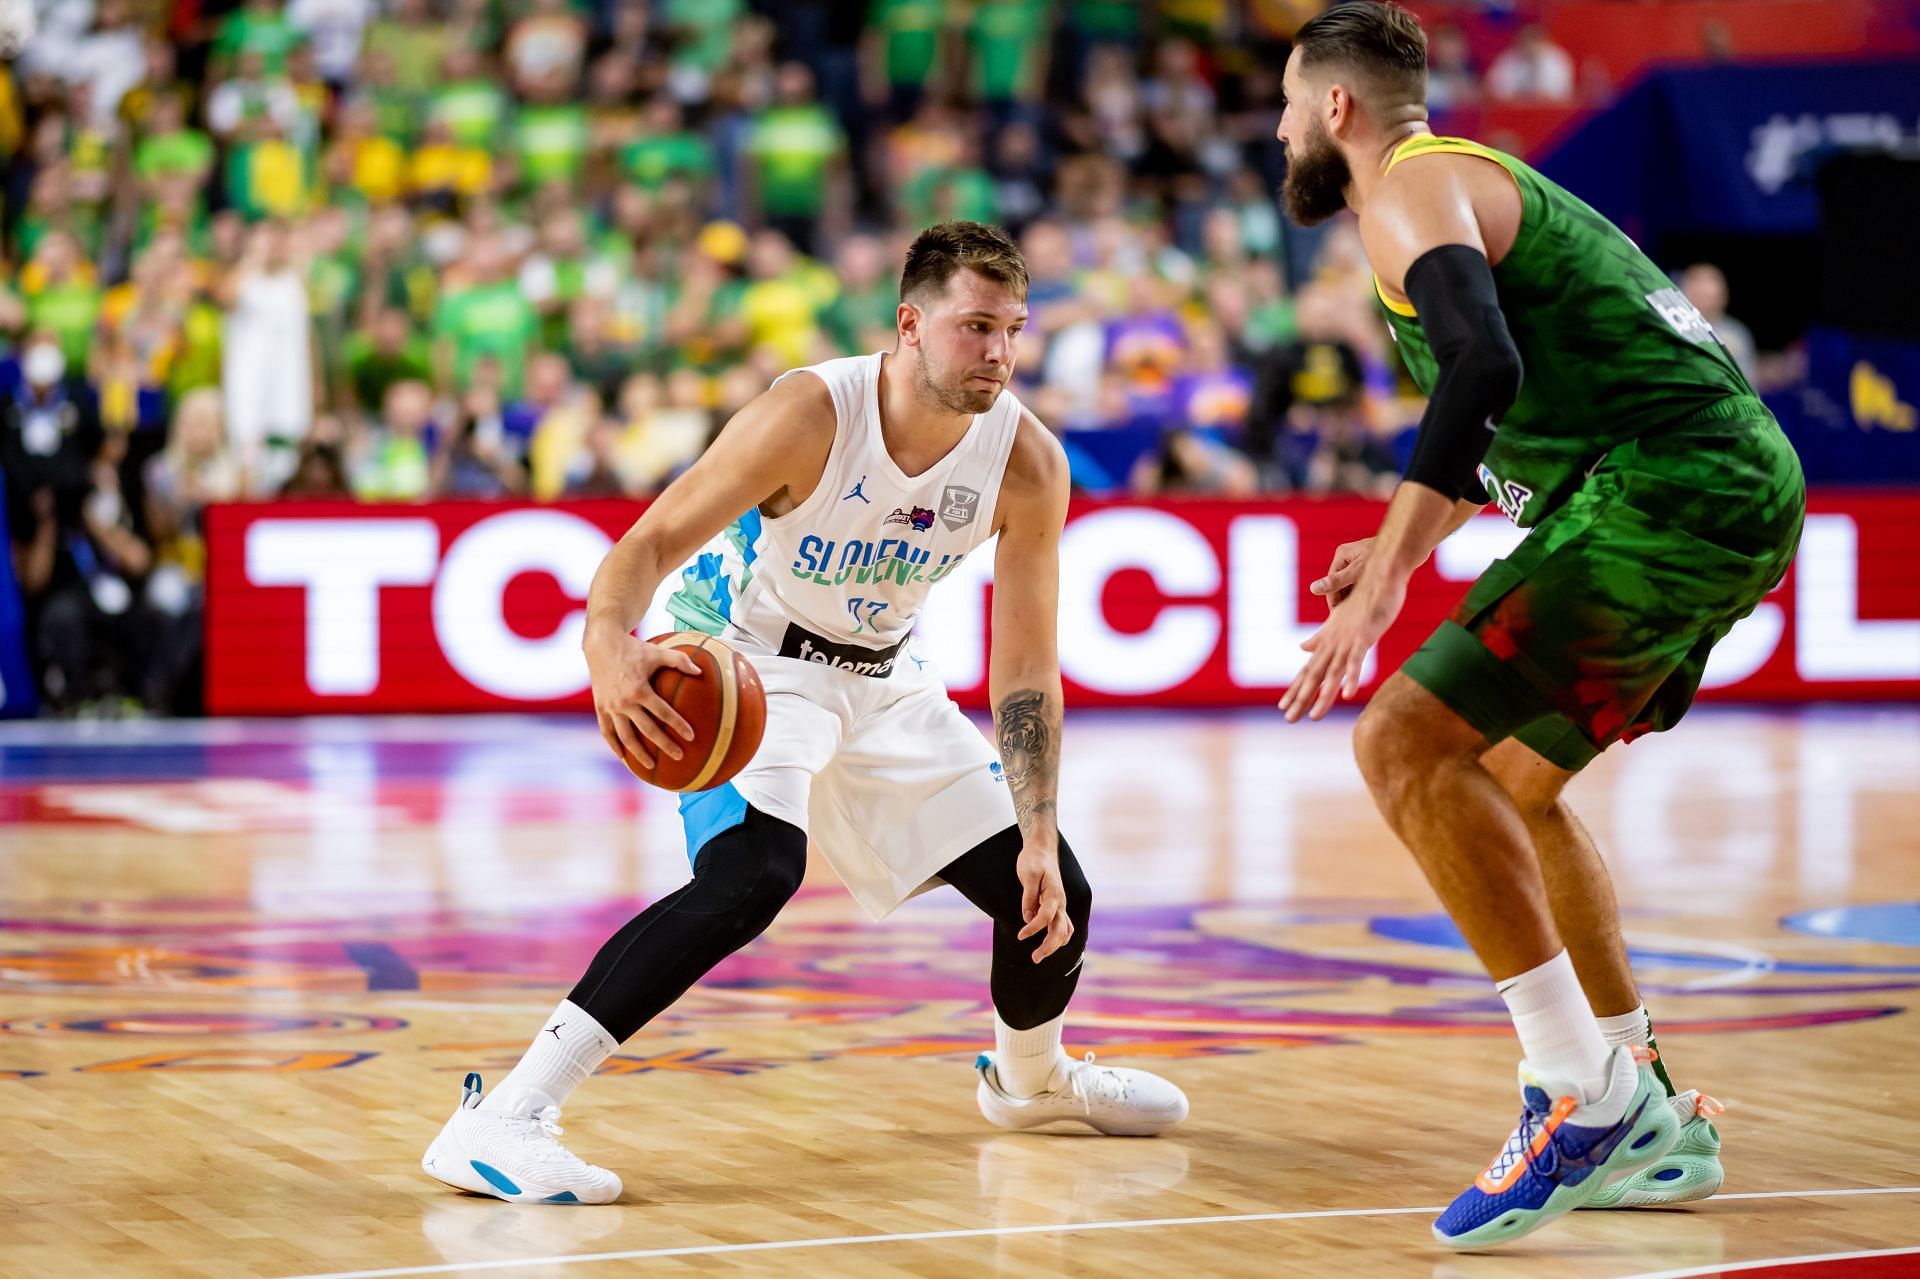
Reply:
x=1317, y=179
x=959, y=397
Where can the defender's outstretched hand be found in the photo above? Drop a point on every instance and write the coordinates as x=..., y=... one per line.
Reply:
x=1340, y=647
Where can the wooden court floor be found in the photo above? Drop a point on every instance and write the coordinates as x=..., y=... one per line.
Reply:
x=243, y=968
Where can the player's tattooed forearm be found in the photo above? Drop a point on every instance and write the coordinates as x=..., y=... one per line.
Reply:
x=1030, y=749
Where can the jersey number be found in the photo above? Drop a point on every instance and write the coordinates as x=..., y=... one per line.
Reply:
x=863, y=611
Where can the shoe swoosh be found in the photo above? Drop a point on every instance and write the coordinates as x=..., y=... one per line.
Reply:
x=1602, y=1150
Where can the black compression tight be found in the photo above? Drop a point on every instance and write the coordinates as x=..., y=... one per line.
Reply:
x=1025, y=994
x=741, y=879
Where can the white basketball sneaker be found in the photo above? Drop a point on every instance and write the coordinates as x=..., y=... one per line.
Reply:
x=1109, y=1099
x=511, y=1153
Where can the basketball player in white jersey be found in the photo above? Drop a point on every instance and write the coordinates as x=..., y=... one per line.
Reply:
x=864, y=481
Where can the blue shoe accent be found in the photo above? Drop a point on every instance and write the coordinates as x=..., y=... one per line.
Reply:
x=495, y=1178
x=1551, y=1165
x=564, y=1197
x=982, y=1062
x=1669, y=1174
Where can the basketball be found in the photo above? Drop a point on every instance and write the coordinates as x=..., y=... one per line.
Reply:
x=726, y=707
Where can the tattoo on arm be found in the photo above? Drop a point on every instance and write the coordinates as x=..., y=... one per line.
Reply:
x=1029, y=738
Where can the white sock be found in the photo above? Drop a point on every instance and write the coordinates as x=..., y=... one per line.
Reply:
x=568, y=1048
x=1030, y=1062
x=1632, y=1029
x=1558, y=1033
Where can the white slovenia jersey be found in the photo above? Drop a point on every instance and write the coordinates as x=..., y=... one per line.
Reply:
x=839, y=579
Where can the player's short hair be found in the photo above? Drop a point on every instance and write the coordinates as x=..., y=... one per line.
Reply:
x=1383, y=42
x=947, y=247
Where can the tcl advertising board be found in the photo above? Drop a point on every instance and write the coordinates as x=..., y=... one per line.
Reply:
x=480, y=606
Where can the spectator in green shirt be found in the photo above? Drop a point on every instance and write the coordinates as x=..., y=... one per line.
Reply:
x=900, y=53
x=666, y=148
x=1007, y=44
x=864, y=317
x=413, y=43
x=550, y=140
x=961, y=190
x=797, y=161
x=171, y=149
x=396, y=466
x=388, y=353
x=489, y=317
x=63, y=296
x=260, y=26
x=469, y=100
x=703, y=31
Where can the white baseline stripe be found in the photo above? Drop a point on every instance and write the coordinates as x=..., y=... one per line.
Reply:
x=992, y=1232
x=1728, y=1267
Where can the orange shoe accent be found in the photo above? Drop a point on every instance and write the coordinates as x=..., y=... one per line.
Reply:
x=1561, y=1109
x=1705, y=1107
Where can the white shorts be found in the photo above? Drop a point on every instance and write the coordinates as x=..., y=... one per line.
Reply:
x=888, y=778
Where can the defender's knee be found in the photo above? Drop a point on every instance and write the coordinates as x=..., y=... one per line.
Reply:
x=1405, y=739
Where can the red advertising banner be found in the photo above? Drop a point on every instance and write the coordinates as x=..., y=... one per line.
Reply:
x=321, y=607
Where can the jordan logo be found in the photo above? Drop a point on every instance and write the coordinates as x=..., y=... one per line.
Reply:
x=857, y=493
x=554, y=1029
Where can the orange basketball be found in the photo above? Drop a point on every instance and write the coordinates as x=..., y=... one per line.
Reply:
x=726, y=707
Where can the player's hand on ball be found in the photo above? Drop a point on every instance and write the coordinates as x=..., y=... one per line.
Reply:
x=1348, y=559
x=632, y=715
x=1043, y=900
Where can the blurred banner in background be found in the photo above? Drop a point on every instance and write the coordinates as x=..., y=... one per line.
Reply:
x=478, y=606
x=1733, y=149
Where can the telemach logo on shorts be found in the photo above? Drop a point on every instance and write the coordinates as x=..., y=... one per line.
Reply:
x=957, y=506
x=805, y=645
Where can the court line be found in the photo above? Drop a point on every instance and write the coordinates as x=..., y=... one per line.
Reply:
x=994, y=1232
x=1729, y=1267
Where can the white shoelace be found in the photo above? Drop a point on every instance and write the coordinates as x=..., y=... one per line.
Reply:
x=547, y=1121
x=1088, y=1082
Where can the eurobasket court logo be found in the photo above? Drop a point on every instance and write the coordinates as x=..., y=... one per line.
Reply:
x=957, y=506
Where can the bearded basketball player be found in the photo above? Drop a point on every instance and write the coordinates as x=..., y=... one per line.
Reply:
x=1570, y=383
x=810, y=534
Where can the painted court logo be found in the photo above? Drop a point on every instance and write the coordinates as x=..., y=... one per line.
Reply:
x=919, y=519
x=957, y=506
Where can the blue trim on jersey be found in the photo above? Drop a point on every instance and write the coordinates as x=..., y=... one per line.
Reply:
x=711, y=812
x=750, y=535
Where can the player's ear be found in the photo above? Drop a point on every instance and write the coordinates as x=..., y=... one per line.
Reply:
x=1338, y=109
x=908, y=318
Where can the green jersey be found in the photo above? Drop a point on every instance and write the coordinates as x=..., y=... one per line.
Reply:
x=1611, y=350
x=650, y=161
x=909, y=31
x=794, y=146
x=552, y=142
x=490, y=319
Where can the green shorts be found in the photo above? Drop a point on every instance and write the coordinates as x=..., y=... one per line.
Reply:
x=1597, y=628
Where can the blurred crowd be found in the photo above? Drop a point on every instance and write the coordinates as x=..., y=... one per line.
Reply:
x=397, y=249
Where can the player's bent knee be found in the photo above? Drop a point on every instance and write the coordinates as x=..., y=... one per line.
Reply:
x=751, y=870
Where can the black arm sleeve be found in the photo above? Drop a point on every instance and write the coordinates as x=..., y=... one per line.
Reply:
x=1452, y=289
